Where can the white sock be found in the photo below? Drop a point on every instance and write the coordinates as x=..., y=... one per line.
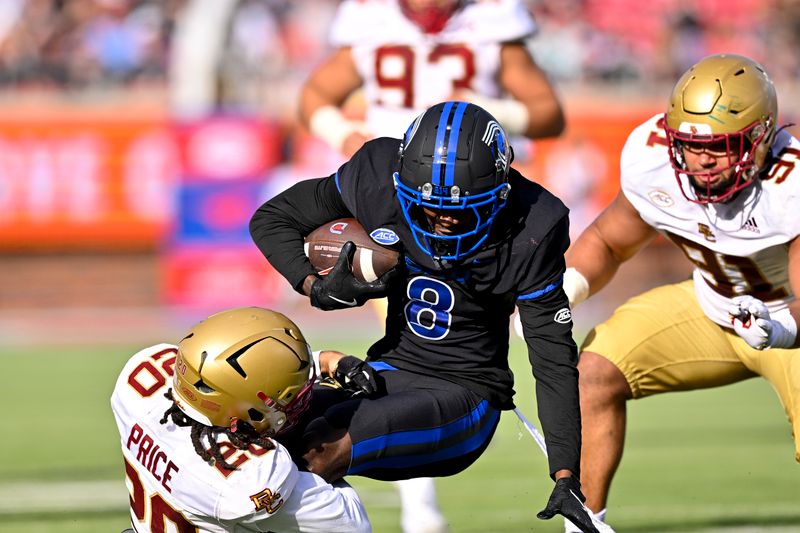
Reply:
x=569, y=527
x=419, y=511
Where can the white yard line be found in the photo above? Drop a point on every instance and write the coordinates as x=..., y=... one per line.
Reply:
x=48, y=497
x=88, y=496
x=56, y=496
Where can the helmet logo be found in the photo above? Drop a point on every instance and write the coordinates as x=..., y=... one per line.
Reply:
x=494, y=133
x=384, y=236
x=695, y=129
x=338, y=228
x=492, y=127
x=412, y=130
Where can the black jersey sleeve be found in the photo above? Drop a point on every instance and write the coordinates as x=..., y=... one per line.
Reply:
x=547, y=327
x=279, y=225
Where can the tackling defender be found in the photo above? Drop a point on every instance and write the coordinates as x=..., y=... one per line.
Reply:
x=720, y=180
x=198, y=423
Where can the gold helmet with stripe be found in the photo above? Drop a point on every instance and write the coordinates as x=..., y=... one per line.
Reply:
x=247, y=364
x=724, y=104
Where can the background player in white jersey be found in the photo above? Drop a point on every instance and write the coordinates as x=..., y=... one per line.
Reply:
x=716, y=177
x=410, y=54
x=197, y=423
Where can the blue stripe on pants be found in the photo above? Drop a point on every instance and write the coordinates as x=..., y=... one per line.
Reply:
x=383, y=442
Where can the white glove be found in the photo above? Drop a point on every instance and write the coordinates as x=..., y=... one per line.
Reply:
x=752, y=321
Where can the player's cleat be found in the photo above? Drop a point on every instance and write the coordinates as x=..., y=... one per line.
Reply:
x=598, y=519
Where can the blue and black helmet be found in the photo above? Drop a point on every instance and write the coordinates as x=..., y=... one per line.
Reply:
x=455, y=156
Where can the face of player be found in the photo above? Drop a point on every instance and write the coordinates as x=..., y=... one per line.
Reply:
x=450, y=222
x=714, y=163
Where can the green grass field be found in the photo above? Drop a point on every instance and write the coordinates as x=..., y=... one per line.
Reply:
x=714, y=460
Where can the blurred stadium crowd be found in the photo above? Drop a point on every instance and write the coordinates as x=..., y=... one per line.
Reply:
x=72, y=44
x=75, y=44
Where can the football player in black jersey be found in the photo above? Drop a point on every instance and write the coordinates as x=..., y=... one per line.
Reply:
x=477, y=239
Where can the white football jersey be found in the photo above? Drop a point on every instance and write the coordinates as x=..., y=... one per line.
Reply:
x=173, y=489
x=739, y=247
x=405, y=71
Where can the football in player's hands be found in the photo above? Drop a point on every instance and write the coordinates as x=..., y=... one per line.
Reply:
x=371, y=261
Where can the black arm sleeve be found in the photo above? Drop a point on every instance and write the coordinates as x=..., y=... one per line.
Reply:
x=278, y=226
x=547, y=327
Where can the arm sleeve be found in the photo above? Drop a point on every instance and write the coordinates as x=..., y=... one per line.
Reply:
x=547, y=327
x=278, y=226
x=316, y=506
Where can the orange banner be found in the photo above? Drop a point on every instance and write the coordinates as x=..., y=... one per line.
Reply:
x=582, y=166
x=99, y=181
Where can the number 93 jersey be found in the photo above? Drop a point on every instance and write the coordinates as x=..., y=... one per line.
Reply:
x=405, y=71
x=738, y=247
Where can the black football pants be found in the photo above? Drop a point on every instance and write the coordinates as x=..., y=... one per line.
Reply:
x=413, y=426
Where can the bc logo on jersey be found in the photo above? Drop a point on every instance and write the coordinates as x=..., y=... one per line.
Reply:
x=384, y=236
x=268, y=500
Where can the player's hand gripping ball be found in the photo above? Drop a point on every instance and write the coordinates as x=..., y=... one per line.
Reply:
x=371, y=261
x=350, y=272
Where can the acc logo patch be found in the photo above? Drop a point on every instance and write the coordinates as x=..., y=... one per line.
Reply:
x=384, y=236
x=338, y=228
x=563, y=316
x=660, y=198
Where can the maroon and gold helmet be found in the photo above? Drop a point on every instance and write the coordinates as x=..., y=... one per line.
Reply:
x=726, y=103
x=249, y=364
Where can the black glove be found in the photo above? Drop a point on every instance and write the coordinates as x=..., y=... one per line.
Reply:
x=339, y=289
x=356, y=375
x=567, y=500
